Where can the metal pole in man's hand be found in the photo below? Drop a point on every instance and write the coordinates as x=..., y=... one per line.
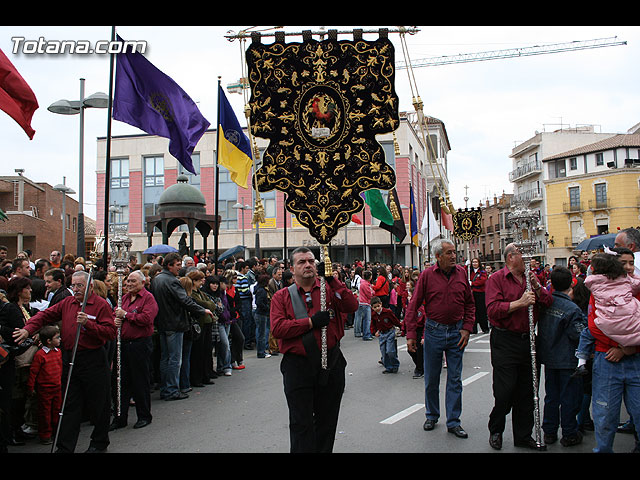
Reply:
x=73, y=359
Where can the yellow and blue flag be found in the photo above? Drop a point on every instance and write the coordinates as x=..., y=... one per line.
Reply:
x=414, y=219
x=234, y=149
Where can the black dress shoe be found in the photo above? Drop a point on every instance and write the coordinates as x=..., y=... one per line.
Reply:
x=530, y=443
x=13, y=442
x=95, y=450
x=458, y=431
x=180, y=396
x=550, y=438
x=580, y=371
x=141, y=423
x=495, y=440
x=116, y=425
x=429, y=424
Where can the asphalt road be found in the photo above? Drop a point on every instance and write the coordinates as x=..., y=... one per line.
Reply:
x=247, y=412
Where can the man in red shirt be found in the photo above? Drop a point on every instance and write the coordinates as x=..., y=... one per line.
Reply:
x=508, y=309
x=90, y=383
x=445, y=292
x=313, y=394
x=135, y=318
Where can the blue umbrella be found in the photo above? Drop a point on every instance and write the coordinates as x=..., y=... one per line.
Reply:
x=232, y=251
x=157, y=249
x=598, y=241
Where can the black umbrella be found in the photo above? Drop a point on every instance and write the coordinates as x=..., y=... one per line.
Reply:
x=231, y=252
x=598, y=241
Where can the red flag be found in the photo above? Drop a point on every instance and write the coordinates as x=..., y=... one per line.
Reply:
x=447, y=220
x=356, y=220
x=16, y=97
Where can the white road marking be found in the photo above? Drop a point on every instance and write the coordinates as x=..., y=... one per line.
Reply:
x=404, y=413
x=419, y=406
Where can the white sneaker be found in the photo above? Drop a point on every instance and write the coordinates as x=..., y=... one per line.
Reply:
x=28, y=430
x=227, y=373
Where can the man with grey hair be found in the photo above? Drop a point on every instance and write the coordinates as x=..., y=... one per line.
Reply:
x=630, y=238
x=90, y=384
x=135, y=318
x=508, y=301
x=449, y=307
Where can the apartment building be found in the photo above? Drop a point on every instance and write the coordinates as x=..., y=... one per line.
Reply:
x=596, y=191
x=142, y=168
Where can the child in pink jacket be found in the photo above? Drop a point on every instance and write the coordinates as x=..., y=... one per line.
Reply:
x=614, y=294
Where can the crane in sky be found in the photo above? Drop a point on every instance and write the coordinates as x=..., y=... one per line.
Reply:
x=410, y=65
x=513, y=52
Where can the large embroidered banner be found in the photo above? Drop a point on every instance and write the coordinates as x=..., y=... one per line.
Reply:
x=467, y=223
x=321, y=104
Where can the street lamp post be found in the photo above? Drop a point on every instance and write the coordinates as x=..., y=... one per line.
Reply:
x=61, y=187
x=239, y=206
x=66, y=107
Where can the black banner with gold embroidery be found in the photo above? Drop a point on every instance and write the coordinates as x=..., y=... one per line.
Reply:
x=467, y=223
x=321, y=104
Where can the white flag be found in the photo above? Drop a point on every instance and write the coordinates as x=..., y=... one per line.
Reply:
x=430, y=228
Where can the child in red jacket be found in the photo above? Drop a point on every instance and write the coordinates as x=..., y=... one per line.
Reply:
x=45, y=378
x=383, y=326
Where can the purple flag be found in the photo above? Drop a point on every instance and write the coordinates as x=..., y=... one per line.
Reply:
x=150, y=100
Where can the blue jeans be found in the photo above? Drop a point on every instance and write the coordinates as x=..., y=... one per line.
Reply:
x=261, y=333
x=389, y=349
x=611, y=383
x=223, y=351
x=562, y=401
x=439, y=339
x=362, y=322
x=170, y=362
x=246, y=316
x=585, y=345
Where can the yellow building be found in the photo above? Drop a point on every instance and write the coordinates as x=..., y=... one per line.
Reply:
x=591, y=190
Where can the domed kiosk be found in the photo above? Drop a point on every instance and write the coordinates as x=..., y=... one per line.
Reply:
x=180, y=204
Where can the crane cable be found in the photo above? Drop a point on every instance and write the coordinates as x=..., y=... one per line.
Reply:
x=445, y=202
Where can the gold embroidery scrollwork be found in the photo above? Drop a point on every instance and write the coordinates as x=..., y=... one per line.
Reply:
x=321, y=104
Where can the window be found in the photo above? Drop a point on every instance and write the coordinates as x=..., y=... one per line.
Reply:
x=599, y=159
x=574, y=197
x=153, y=171
x=119, y=215
x=120, y=173
x=601, y=195
x=557, y=169
x=193, y=179
x=573, y=163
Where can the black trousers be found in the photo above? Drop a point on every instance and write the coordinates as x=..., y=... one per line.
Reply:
x=89, y=390
x=481, y=312
x=512, y=383
x=418, y=355
x=135, y=380
x=313, y=408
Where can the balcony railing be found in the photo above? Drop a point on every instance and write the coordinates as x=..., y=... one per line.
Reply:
x=599, y=204
x=525, y=170
x=571, y=207
x=532, y=195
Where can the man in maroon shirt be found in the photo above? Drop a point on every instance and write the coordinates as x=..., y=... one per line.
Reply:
x=135, y=318
x=508, y=303
x=90, y=383
x=445, y=292
x=313, y=394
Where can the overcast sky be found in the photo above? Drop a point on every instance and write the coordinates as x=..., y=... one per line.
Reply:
x=487, y=107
